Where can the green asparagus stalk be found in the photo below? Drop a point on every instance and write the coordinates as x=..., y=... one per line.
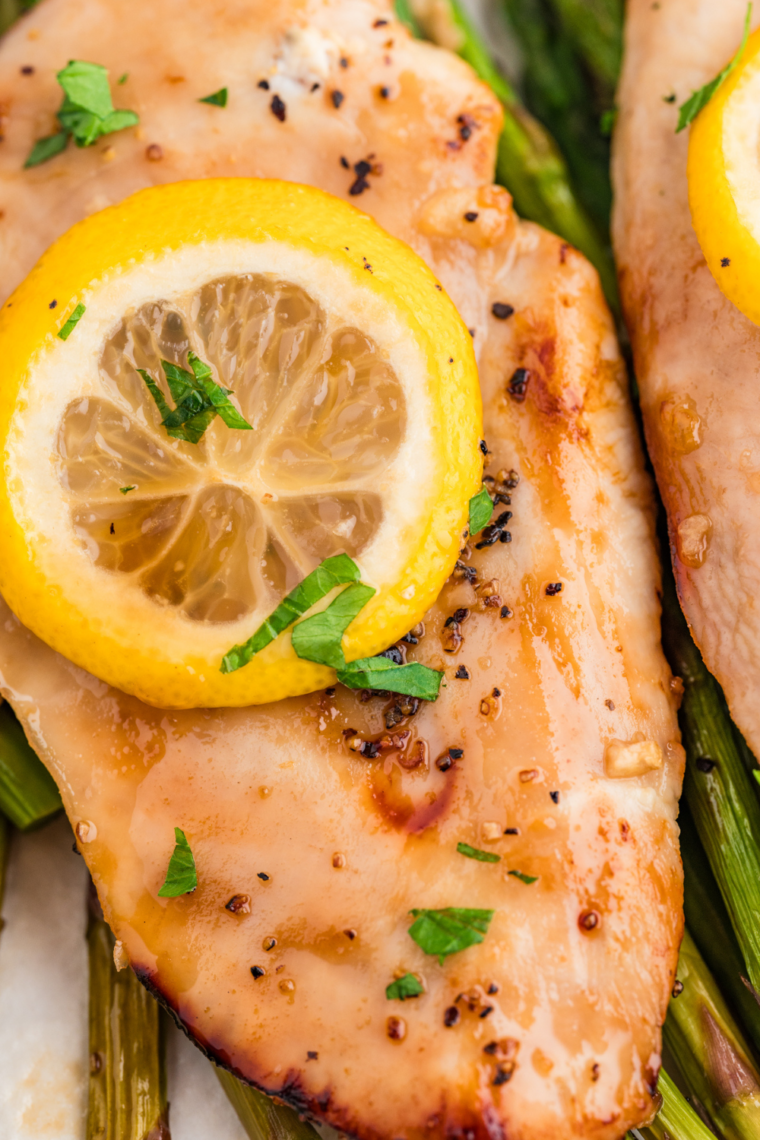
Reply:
x=710, y=1049
x=127, y=1088
x=261, y=1118
x=406, y=16
x=710, y=926
x=676, y=1119
x=718, y=787
x=528, y=162
x=595, y=29
x=28, y=795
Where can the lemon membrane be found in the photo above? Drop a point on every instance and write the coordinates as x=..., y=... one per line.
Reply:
x=724, y=181
x=144, y=558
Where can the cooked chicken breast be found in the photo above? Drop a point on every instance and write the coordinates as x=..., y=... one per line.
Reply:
x=697, y=358
x=328, y=818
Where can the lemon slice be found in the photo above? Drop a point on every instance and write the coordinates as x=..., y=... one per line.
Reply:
x=724, y=182
x=144, y=557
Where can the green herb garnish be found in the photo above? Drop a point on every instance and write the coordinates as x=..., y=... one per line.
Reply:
x=403, y=988
x=181, y=877
x=481, y=509
x=689, y=110
x=122, y=79
x=337, y=571
x=86, y=113
x=523, y=877
x=67, y=329
x=198, y=398
x=126, y=490
x=318, y=638
x=476, y=853
x=413, y=680
x=607, y=121
x=218, y=99
x=447, y=931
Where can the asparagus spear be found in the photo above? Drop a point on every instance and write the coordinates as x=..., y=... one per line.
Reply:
x=595, y=29
x=28, y=795
x=710, y=1049
x=261, y=1117
x=127, y=1090
x=676, y=1119
x=528, y=162
x=718, y=788
x=710, y=926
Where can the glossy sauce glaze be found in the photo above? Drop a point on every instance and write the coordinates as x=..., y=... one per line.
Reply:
x=318, y=823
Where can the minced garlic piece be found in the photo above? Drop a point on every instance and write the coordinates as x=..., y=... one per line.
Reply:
x=623, y=759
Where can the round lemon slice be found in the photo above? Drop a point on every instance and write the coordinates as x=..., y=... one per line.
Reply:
x=724, y=182
x=147, y=528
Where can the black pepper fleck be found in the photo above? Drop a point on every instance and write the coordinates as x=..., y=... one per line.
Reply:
x=337, y=98
x=343, y=61
x=485, y=1012
x=380, y=23
x=462, y=673
x=257, y=971
x=493, y=988
x=725, y=261
x=113, y=529
x=456, y=753
x=496, y=693
x=501, y=310
x=385, y=92
x=502, y=1076
x=511, y=830
x=553, y=589
x=483, y=446
x=677, y=989
x=451, y=1016
x=344, y=162
x=52, y=304
x=669, y=98
x=311, y=1055
x=704, y=764
x=277, y=108
x=27, y=70
x=518, y=384
x=263, y=84
x=471, y=216
x=554, y=796
x=505, y=612
x=262, y=875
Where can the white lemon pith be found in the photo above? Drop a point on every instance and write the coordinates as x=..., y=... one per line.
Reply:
x=144, y=558
x=724, y=181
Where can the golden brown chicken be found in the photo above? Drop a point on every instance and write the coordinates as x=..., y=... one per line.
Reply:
x=696, y=356
x=318, y=823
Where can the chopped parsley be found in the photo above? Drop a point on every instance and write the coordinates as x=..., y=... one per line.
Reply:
x=318, y=638
x=337, y=571
x=217, y=99
x=403, y=988
x=481, y=509
x=126, y=490
x=689, y=110
x=181, y=877
x=476, y=853
x=523, y=877
x=412, y=680
x=447, y=931
x=67, y=329
x=198, y=398
x=86, y=113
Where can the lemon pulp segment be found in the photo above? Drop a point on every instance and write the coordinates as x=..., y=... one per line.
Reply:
x=144, y=558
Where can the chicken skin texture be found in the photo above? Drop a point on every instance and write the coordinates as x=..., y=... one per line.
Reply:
x=697, y=357
x=333, y=815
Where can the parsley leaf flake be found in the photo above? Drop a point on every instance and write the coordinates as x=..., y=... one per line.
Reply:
x=689, y=110
x=181, y=876
x=403, y=988
x=447, y=931
x=481, y=509
x=476, y=853
x=217, y=99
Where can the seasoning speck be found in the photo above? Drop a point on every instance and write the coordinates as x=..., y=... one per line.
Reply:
x=337, y=98
x=263, y=876
x=553, y=589
x=263, y=84
x=27, y=70
x=343, y=61
x=589, y=920
x=501, y=310
x=258, y=972
x=462, y=673
x=471, y=216
x=239, y=904
x=554, y=796
x=511, y=830
x=395, y=1027
x=610, y=705
x=385, y=92
x=277, y=107
x=704, y=764
x=502, y=1076
x=350, y=934
x=485, y=1012
x=344, y=162
x=338, y=861
x=505, y=612
x=380, y=23
x=518, y=384
x=725, y=261
x=269, y=943
x=311, y=1055
x=677, y=989
x=154, y=153
x=451, y=1016
x=52, y=304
